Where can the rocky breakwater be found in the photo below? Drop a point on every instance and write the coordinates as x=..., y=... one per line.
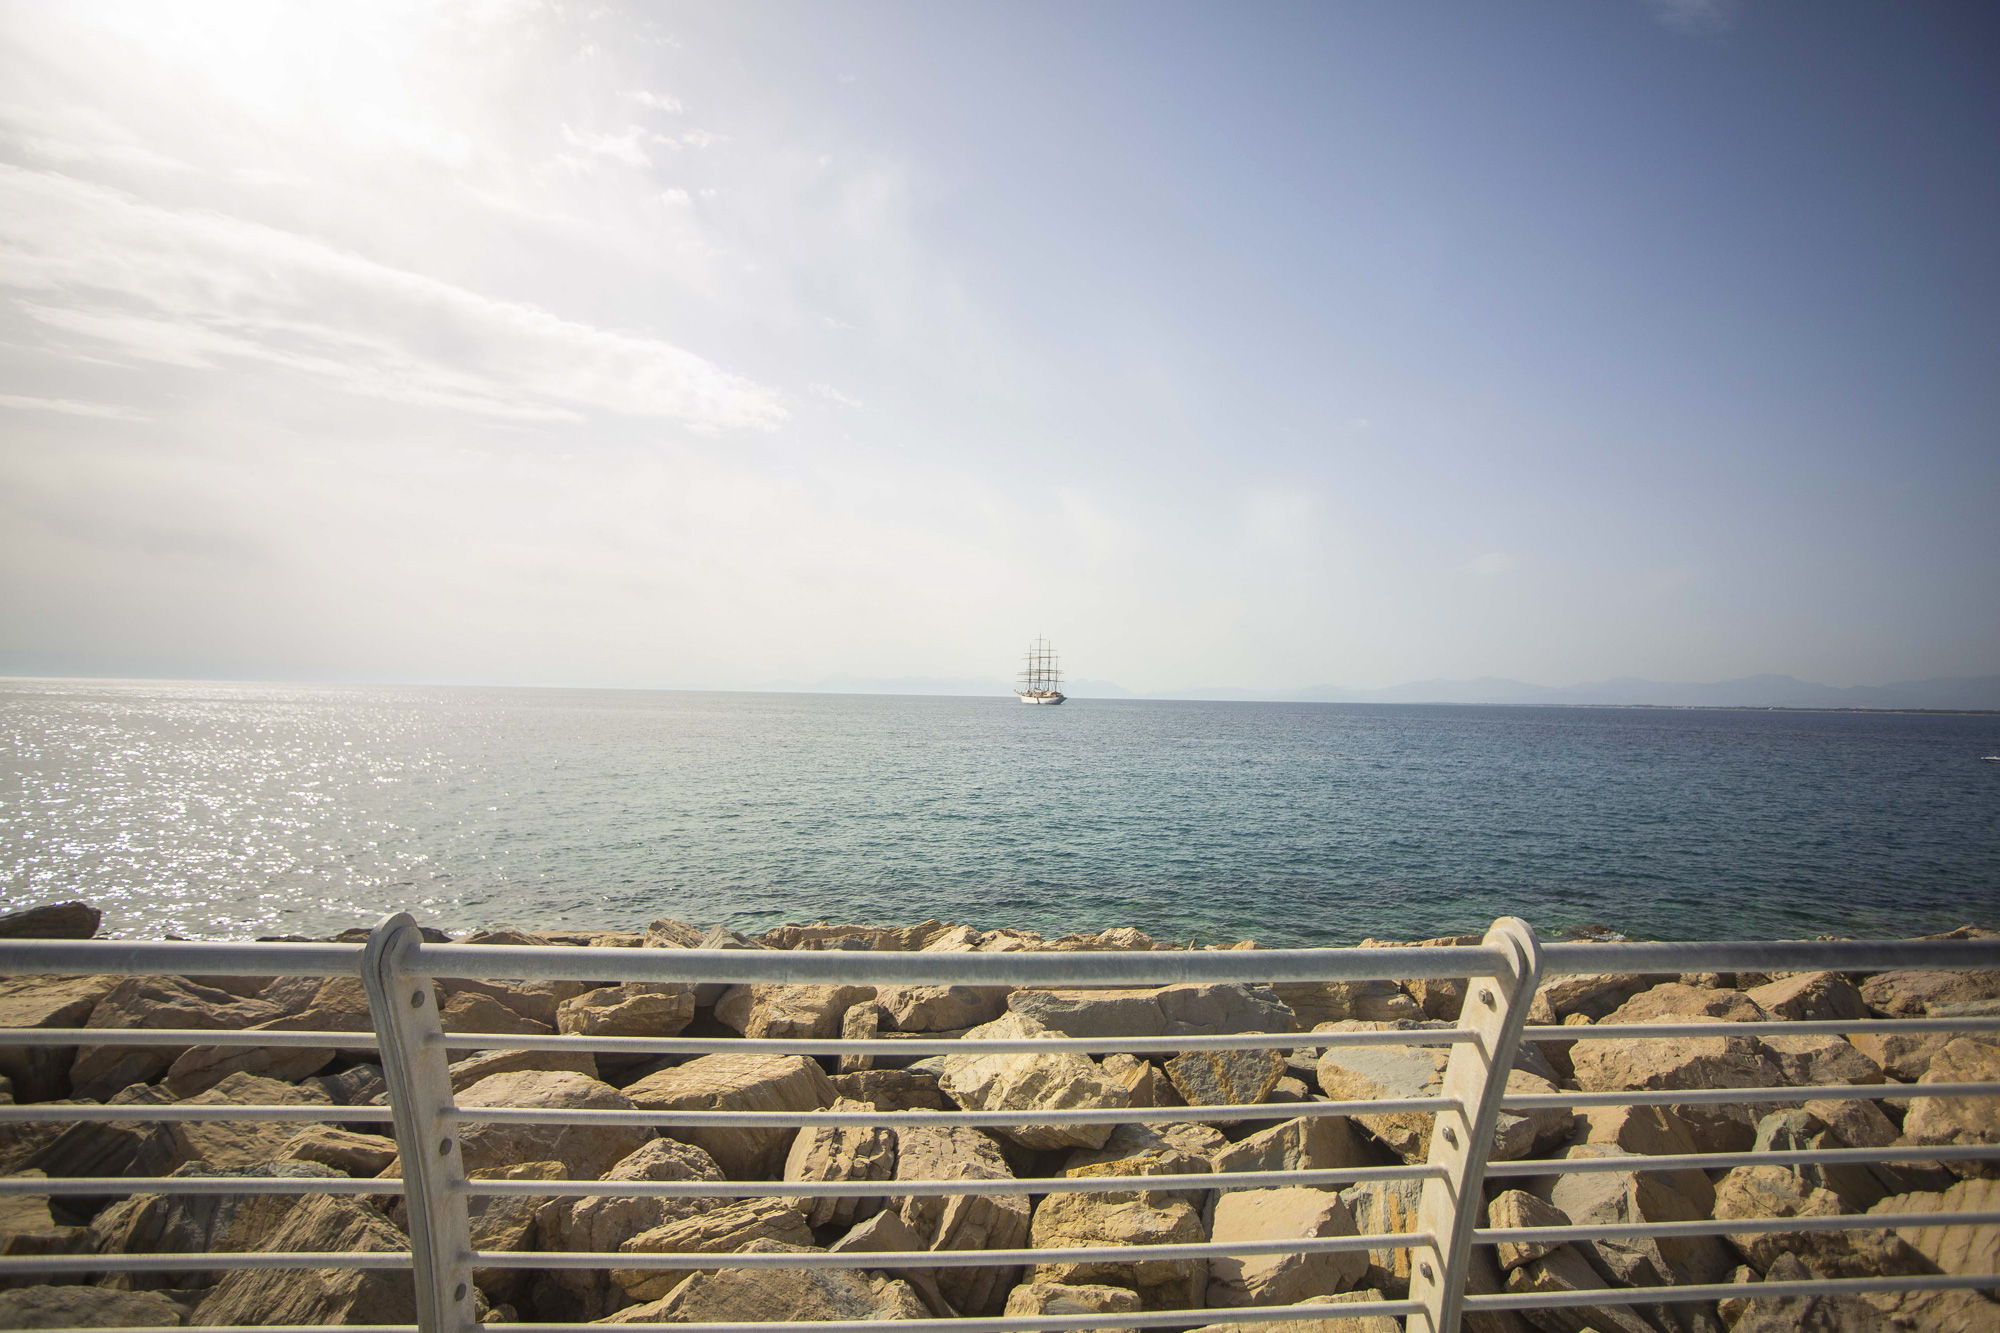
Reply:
x=1021, y=1212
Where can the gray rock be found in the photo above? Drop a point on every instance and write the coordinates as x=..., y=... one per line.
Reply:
x=55, y=921
x=85, y=1307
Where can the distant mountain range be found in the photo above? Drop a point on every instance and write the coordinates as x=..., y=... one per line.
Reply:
x=1950, y=692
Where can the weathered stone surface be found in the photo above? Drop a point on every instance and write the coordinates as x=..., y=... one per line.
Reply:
x=967, y=1222
x=198, y=1223
x=1381, y=1208
x=1914, y=994
x=104, y=1149
x=836, y=935
x=1591, y=994
x=769, y=1295
x=360, y=1085
x=319, y=1296
x=941, y=1008
x=1065, y=1221
x=1311, y=1143
x=1564, y=1270
x=587, y=1150
x=1525, y=1133
x=199, y=1068
x=1819, y=1059
x=1316, y=1002
x=892, y=1089
x=1033, y=1298
x=1092, y=1013
x=1613, y=1199
x=1671, y=1002
x=1810, y=996
x=841, y=1152
x=1060, y=1080
x=53, y=921
x=154, y=1002
x=667, y=933
x=1225, y=1078
x=1721, y=1061
x=1377, y=1073
x=1142, y=1150
x=85, y=1307
x=1809, y=1314
x=1943, y=1121
x=41, y=1073
x=536, y=1000
x=723, y=1230
x=1775, y=1191
x=603, y=1223
x=485, y=1064
x=240, y=1143
x=1967, y=1248
x=508, y=935
x=1903, y=1056
x=1120, y=939
x=798, y=1013
x=635, y=1009
x=1281, y=1279
x=1360, y=1323
x=345, y=1151
x=1513, y=1209
x=738, y=1083
x=1648, y=1131
x=508, y=1223
x=861, y=1022
x=887, y=1232
x=470, y=1011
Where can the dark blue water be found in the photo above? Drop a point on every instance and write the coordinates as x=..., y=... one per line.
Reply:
x=214, y=810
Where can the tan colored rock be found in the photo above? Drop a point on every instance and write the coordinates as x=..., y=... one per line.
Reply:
x=1775, y=1191
x=1384, y=1208
x=738, y=1083
x=1120, y=939
x=604, y=1222
x=1671, y=1002
x=887, y=1232
x=1527, y=1133
x=635, y=1009
x=1591, y=994
x=242, y=1143
x=1311, y=1143
x=1060, y=1080
x=1609, y=1199
x=1514, y=1209
x=1317, y=1002
x=1965, y=1249
x=508, y=935
x=1360, y=1323
x=1648, y=1131
x=796, y=1013
x=1955, y=1121
x=1810, y=996
x=1914, y=994
x=1806, y=1060
x=1092, y=1013
x=1377, y=1073
x=772, y=1295
x=840, y=1153
x=1225, y=1078
x=667, y=933
x=723, y=1230
x=198, y=1223
x=1903, y=1056
x=861, y=1022
x=469, y=1011
x=1722, y=1061
x=587, y=1150
x=966, y=1222
x=1564, y=1270
x=318, y=1296
x=1033, y=1298
x=85, y=1307
x=485, y=1064
x=508, y=1223
x=1066, y=1221
x=345, y=1151
x=199, y=1068
x=41, y=1073
x=98, y=1148
x=1839, y=1313
x=941, y=1008
x=1141, y=1150
x=154, y=1002
x=535, y=1000
x=1281, y=1279
x=891, y=1089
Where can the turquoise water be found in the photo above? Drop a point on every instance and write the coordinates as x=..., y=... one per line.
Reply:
x=213, y=810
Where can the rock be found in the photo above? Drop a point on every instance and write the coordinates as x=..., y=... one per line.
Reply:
x=1142, y=1150
x=1122, y=939
x=1903, y=1056
x=466, y=1072
x=827, y=934
x=336, y=1004
x=1165, y=1011
x=98, y=1148
x=361, y=1085
x=1806, y=1314
x=840, y=1153
x=55, y=921
x=965, y=1222
x=1821, y=1059
x=1518, y=1134
x=85, y=1307
x=154, y=1002
x=1956, y=1121
x=1671, y=1002
x=1376, y=1073
x=470, y=1011
x=198, y=1223
x=508, y=1223
x=1564, y=1270
x=1225, y=1078
x=1721, y=1061
x=1608, y=1200
x=1857, y=1185
x=738, y=1083
x=199, y=1068
x=318, y=1296
x=1964, y=1249
x=798, y=1013
x=587, y=1150
x=1512, y=1209
x=1317, y=1002
x=1648, y=1131
x=347, y=1152
x=635, y=1009
x=891, y=1089
x=1360, y=1323
x=1914, y=994
x=1065, y=1221
x=888, y=1232
x=244, y=1143
x=667, y=933
x=1810, y=996
x=723, y=1230
x=768, y=1295
x=941, y=1008
x=538, y=1001
x=1311, y=1143
x=1060, y=1080
x=1281, y=1279
x=41, y=1073
x=605, y=1222
x=1591, y=994
x=861, y=1022
x=1382, y=1208
x=1221, y=1008
x=1035, y=1298
x=1775, y=1191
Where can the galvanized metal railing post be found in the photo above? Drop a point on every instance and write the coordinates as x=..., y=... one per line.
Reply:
x=414, y=1066
x=1496, y=1009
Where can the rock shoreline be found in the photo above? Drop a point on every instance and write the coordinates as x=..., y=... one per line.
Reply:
x=1030, y=1218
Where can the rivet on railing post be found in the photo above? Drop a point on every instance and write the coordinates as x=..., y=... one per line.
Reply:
x=414, y=1066
x=1477, y=1079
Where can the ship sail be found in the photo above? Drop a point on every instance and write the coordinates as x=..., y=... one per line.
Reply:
x=1041, y=678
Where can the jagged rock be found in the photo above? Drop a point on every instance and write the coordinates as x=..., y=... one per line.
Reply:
x=797, y=1013
x=41, y=1073
x=466, y=1072
x=635, y=1009
x=1066, y=1221
x=470, y=1012
x=1060, y=1080
x=98, y=1148
x=198, y=1223
x=1563, y=1269
x=1360, y=1323
x=768, y=1295
x=1806, y=1060
x=861, y=1022
x=54, y=921
x=1311, y=1143
x=39, y=1234
x=1671, y=1002
x=1648, y=1131
x=1953, y=1121
x=587, y=1150
x=1859, y=1186
x=604, y=1222
x=723, y=1230
x=1375, y=1073
x=841, y=1152
x=1775, y=1191
x=1033, y=1298
x=1513, y=1209
x=1281, y=1279
x=1903, y=1056
x=1122, y=939
x=362, y=1085
x=1316, y=1002
x=85, y=1307
x=319, y=1296
x=154, y=1002
x=1721, y=1061
x=1382, y=1208
x=1148, y=1086
x=508, y=1223
x=941, y=1008
x=967, y=1221
x=1142, y=1150
x=887, y=1232
x=1810, y=996
x=1518, y=1134
x=891, y=1089
x=667, y=933
x=538, y=1001
x=1966, y=1248
x=199, y=1068
x=1225, y=1078
x=1165, y=1011
x=507, y=935
x=738, y=1083
x=827, y=934
x=243, y=1143
x=1915, y=994
x=1808, y=1314
x=1591, y=994
x=343, y=1150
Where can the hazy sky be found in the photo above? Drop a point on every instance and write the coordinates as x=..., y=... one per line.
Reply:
x=1262, y=345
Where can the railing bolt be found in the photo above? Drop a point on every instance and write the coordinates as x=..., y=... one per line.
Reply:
x=1488, y=998
x=416, y=999
x=459, y=1295
x=444, y=1147
x=1451, y=1136
x=1430, y=1274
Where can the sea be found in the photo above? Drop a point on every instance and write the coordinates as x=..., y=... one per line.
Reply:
x=210, y=810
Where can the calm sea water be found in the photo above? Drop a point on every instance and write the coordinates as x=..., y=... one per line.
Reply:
x=213, y=810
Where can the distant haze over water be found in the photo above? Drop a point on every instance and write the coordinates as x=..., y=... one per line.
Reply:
x=230, y=810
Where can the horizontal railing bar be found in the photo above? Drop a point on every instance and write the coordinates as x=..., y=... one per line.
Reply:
x=927, y=1045
x=858, y=967
x=237, y=1328
x=1740, y=1226
x=198, y=958
x=1784, y=1027
x=1716, y=1291
x=199, y=1185
x=914, y=1189
x=206, y=1261
x=1564, y=1166
x=1041, y=1323
x=1768, y=956
x=1810, y=1092
x=180, y=1037
x=85, y=1112
x=948, y=1258
x=1095, y=1115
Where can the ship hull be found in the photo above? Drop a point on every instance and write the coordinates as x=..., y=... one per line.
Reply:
x=1049, y=698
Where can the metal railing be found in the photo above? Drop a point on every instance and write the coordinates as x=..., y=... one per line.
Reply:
x=398, y=970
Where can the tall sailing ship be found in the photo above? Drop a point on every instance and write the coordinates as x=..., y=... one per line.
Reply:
x=1041, y=676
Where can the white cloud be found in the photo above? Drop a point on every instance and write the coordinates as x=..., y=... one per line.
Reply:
x=833, y=395
x=618, y=147
x=655, y=101
x=69, y=407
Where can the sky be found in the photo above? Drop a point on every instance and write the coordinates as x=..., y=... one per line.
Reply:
x=1267, y=346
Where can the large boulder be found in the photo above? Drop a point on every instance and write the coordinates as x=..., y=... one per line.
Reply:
x=1045, y=1298
x=1834, y=1313
x=587, y=1150
x=1281, y=1279
x=779, y=1295
x=1665, y=1063
x=1916, y=994
x=53, y=921
x=1060, y=1080
x=1147, y=1150
x=891, y=1089
x=85, y=1307
x=1776, y=1191
x=103, y=1148
x=508, y=1224
x=940, y=1008
x=535, y=1000
x=41, y=1073
x=198, y=1223
x=1564, y=1270
x=1226, y=1078
x=1810, y=996
x=319, y=1295
x=966, y=1221
x=154, y=1002
x=1310, y=1143
x=723, y=1230
x=1965, y=1249
x=1385, y=1208
x=738, y=1083
x=473, y=1012
x=635, y=1009
x=795, y=1013
x=1359, y=1323
x=1075, y=1221
x=888, y=1233
x=1380, y=1073
x=342, y=1150
x=1804, y=1060
x=1166, y=1011
x=199, y=1068
x=603, y=1223
x=1958, y=1121
x=242, y=1143
x=841, y=1153
x=464, y=1073
x=1648, y=1131
x=1593, y=995
x=1316, y=1002
x=1513, y=1210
